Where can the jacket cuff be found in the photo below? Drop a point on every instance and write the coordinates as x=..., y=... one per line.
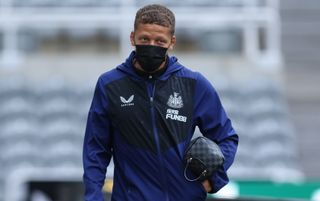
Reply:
x=217, y=182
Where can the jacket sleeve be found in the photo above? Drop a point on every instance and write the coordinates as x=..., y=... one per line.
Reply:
x=97, y=147
x=214, y=123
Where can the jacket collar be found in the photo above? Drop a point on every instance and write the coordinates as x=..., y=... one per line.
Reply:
x=127, y=67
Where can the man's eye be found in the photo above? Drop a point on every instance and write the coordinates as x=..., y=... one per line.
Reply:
x=161, y=41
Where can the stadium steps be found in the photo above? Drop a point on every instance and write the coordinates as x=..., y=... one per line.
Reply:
x=301, y=47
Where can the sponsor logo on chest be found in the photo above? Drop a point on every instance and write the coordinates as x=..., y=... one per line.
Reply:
x=127, y=102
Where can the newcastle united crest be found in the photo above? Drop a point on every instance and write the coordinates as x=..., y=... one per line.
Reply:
x=175, y=101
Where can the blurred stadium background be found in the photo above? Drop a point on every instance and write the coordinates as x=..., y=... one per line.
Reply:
x=261, y=55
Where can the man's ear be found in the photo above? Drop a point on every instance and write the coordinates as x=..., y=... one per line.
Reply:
x=173, y=42
x=132, y=38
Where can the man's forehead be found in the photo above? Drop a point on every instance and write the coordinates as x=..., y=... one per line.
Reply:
x=155, y=28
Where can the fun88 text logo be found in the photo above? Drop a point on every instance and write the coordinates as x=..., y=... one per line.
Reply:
x=174, y=115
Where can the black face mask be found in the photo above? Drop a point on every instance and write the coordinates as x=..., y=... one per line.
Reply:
x=150, y=57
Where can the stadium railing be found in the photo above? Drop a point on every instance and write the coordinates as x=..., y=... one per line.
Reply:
x=258, y=21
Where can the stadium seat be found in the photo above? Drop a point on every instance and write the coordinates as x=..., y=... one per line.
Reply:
x=57, y=107
x=14, y=87
x=17, y=107
x=19, y=129
x=63, y=153
x=62, y=129
x=22, y=153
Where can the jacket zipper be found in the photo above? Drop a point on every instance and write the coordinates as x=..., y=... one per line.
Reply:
x=151, y=92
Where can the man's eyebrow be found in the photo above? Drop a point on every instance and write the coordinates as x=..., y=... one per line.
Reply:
x=144, y=35
x=161, y=38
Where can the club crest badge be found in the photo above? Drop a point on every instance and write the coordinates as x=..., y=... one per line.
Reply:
x=175, y=101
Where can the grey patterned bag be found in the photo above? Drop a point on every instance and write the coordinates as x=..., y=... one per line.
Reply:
x=203, y=157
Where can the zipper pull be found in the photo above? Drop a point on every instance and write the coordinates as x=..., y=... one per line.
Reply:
x=151, y=101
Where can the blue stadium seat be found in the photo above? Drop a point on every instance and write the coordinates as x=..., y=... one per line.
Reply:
x=20, y=154
x=57, y=107
x=14, y=87
x=19, y=129
x=63, y=153
x=17, y=107
x=62, y=129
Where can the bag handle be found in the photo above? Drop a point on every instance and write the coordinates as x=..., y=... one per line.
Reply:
x=185, y=171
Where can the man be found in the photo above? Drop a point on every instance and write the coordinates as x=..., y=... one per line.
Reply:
x=144, y=113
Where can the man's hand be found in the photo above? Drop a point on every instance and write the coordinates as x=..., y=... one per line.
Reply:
x=207, y=186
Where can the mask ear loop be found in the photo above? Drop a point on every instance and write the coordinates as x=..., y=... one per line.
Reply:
x=204, y=172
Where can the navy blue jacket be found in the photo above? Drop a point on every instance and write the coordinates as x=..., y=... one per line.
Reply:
x=145, y=124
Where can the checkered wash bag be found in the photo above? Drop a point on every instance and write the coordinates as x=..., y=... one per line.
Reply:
x=202, y=157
